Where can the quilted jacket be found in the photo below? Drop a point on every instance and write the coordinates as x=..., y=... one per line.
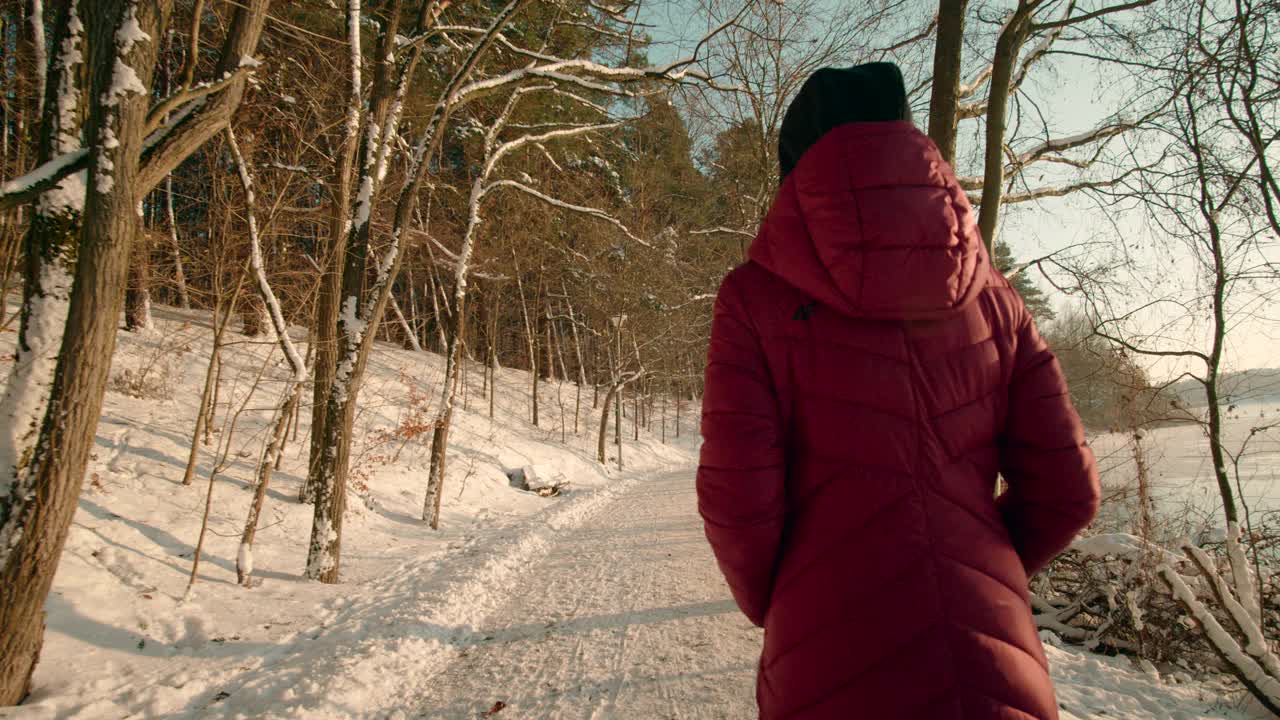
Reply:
x=869, y=374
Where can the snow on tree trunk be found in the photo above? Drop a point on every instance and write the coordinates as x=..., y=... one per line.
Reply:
x=329, y=294
x=362, y=308
x=453, y=355
x=410, y=336
x=122, y=62
x=1250, y=629
x=280, y=329
x=35, y=25
x=50, y=263
x=1245, y=585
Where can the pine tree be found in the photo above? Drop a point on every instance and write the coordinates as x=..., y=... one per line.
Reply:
x=1035, y=299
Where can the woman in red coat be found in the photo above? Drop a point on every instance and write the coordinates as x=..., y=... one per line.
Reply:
x=869, y=375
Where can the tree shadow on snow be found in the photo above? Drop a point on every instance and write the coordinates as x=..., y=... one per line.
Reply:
x=173, y=546
x=64, y=618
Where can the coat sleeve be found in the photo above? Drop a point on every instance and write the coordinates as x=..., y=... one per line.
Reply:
x=1053, y=490
x=741, y=474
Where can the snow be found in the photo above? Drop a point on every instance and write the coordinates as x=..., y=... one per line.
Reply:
x=1244, y=583
x=244, y=558
x=130, y=32
x=124, y=79
x=604, y=601
x=1181, y=471
x=1121, y=545
x=1219, y=637
x=105, y=606
x=26, y=391
x=104, y=181
x=42, y=174
x=363, y=199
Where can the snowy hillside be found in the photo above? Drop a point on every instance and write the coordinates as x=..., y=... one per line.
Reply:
x=603, y=601
x=121, y=642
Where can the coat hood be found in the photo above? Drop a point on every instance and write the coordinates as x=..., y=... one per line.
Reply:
x=873, y=223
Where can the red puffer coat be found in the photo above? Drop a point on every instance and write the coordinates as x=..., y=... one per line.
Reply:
x=868, y=376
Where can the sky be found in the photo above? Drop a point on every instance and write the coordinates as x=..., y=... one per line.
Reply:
x=1077, y=95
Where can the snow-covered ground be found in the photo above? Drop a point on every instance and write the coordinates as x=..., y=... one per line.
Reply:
x=602, y=602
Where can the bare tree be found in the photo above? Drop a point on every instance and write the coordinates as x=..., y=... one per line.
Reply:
x=1202, y=202
x=41, y=484
x=289, y=396
x=494, y=152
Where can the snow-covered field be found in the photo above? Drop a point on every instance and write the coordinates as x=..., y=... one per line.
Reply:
x=603, y=602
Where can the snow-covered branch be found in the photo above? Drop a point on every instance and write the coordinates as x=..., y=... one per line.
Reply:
x=1255, y=669
x=722, y=230
x=269, y=299
x=555, y=202
x=26, y=188
x=512, y=145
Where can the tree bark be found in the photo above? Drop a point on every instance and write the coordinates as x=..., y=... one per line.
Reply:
x=1008, y=45
x=137, y=299
x=324, y=336
x=179, y=275
x=947, y=63
x=47, y=496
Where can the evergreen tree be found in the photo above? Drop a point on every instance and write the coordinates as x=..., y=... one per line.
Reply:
x=1035, y=299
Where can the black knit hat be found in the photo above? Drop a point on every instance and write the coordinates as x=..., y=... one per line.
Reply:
x=831, y=97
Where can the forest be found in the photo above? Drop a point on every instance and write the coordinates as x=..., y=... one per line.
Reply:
x=559, y=187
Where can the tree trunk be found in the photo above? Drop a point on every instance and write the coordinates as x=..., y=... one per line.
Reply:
x=210, y=380
x=271, y=305
x=947, y=63
x=1008, y=45
x=212, y=407
x=37, y=515
x=531, y=343
x=492, y=360
x=440, y=436
x=50, y=252
x=602, y=439
x=137, y=299
x=327, y=296
x=548, y=360
x=270, y=458
x=617, y=425
x=410, y=337
x=179, y=276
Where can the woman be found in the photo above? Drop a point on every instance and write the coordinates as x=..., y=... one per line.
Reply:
x=869, y=375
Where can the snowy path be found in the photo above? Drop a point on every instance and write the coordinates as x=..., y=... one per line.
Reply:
x=625, y=617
